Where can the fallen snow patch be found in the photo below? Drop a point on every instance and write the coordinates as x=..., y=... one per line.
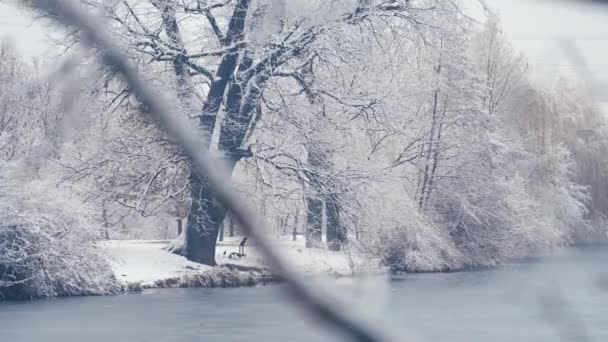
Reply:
x=309, y=261
x=146, y=263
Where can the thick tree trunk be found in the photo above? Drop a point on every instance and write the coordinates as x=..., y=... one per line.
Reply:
x=231, y=229
x=336, y=236
x=314, y=200
x=314, y=224
x=206, y=214
x=221, y=237
x=203, y=225
x=294, y=232
x=319, y=159
x=323, y=197
x=179, y=226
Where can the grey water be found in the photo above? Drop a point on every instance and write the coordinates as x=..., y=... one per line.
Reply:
x=563, y=297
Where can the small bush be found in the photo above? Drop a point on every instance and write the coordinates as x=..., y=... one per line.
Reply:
x=397, y=235
x=47, y=247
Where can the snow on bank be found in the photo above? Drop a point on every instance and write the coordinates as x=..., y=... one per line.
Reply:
x=308, y=261
x=145, y=262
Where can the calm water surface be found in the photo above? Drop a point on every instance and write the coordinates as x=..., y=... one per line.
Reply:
x=563, y=297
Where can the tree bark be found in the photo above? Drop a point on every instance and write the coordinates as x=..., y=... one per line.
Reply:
x=179, y=226
x=295, y=225
x=335, y=233
x=318, y=200
x=206, y=214
x=203, y=225
x=231, y=229
x=314, y=224
x=323, y=190
x=221, y=237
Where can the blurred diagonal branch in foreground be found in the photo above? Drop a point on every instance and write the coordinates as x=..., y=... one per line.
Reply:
x=211, y=168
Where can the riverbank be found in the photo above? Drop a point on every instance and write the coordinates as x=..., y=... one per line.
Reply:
x=142, y=264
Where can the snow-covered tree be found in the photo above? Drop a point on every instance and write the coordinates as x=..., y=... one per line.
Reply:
x=47, y=232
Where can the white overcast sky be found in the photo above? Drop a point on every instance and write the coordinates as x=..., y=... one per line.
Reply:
x=535, y=27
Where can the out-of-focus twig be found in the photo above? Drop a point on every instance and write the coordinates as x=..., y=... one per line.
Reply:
x=178, y=128
x=557, y=311
x=582, y=69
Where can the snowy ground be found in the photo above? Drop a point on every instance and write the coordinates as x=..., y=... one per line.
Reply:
x=306, y=260
x=147, y=263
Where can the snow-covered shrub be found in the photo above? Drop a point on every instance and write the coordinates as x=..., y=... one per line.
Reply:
x=47, y=245
x=512, y=210
x=398, y=236
x=561, y=199
x=493, y=220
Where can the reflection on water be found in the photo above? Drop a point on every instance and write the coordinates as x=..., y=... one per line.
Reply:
x=563, y=296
